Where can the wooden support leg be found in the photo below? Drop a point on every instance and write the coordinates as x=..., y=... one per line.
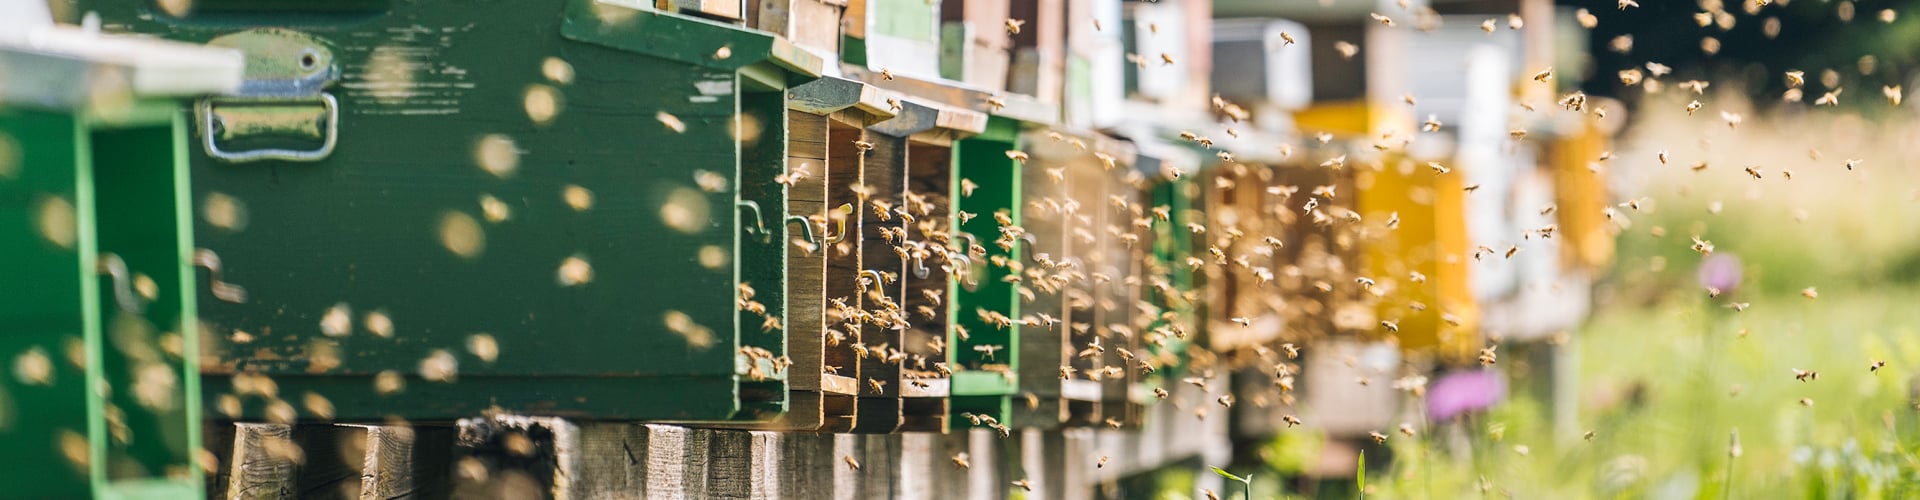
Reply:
x=404, y=462
x=264, y=462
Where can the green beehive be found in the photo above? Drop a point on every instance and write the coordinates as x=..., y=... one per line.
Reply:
x=101, y=398
x=984, y=350
x=554, y=207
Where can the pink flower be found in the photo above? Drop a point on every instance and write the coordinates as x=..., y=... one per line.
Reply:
x=1461, y=392
x=1720, y=271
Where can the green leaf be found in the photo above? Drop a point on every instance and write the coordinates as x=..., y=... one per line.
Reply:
x=1360, y=476
x=1228, y=475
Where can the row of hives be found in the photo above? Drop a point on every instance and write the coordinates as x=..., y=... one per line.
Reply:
x=795, y=215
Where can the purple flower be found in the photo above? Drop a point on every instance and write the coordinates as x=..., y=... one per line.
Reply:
x=1461, y=392
x=1720, y=271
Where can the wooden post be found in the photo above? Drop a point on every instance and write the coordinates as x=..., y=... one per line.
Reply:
x=264, y=461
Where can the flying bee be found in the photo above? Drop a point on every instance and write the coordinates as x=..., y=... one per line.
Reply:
x=1346, y=49
x=1438, y=168
x=1487, y=26
x=1378, y=438
x=1692, y=107
x=1390, y=326
x=1013, y=26
x=960, y=460
x=1016, y=155
x=1290, y=420
x=1805, y=375
x=1159, y=393
x=1543, y=75
x=1829, y=98
x=1288, y=37
x=1383, y=20
x=1876, y=366
x=851, y=463
x=1024, y=484
x=1488, y=357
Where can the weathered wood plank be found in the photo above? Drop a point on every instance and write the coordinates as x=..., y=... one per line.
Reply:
x=265, y=462
x=405, y=462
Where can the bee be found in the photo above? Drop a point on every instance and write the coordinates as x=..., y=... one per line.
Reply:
x=1876, y=366
x=960, y=460
x=1378, y=438
x=1406, y=429
x=1159, y=393
x=1383, y=20
x=1472, y=187
x=1663, y=157
x=1853, y=163
x=1807, y=402
x=851, y=463
x=1210, y=494
x=1292, y=351
x=1544, y=75
x=1347, y=50
x=1740, y=306
x=1225, y=401
x=1588, y=436
x=1393, y=220
x=1805, y=375
x=1487, y=356
x=1290, y=420
x=1287, y=37
x=1016, y=155
x=966, y=188
x=1587, y=19
x=1013, y=26
x=1829, y=99
x=1487, y=25
x=1698, y=166
x=1438, y=168
x=996, y=103
x=1692, y=107
x=1166, y=59
x=1892, y=93
x=1024, y=484
x=1624, y=4
x=1432, y=124
x=1796, y=78
x=1243, y=321
x=1102, y=463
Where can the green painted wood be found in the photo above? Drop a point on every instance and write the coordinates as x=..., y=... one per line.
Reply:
x=985, y=359
x=73, y=189
x=597, y=249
